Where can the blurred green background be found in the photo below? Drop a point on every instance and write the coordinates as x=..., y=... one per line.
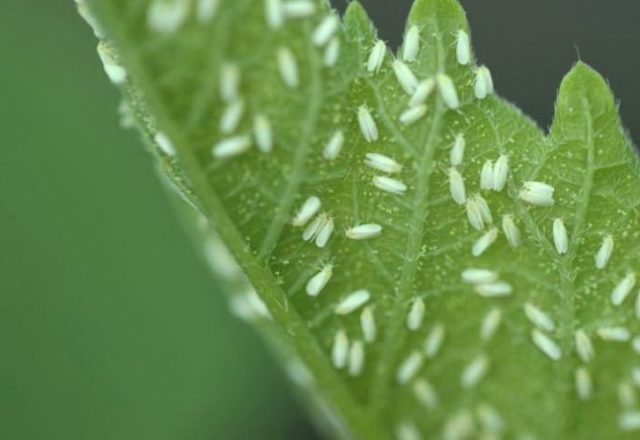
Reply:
x=110, y=325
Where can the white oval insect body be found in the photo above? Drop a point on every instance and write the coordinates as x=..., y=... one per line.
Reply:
x=382, y=163
x=500, y=173
x=334, y=146
x=352, y=302
x=456, y=186
x=456, y=156
x=604, y=253
x=560, y=236
x=309, y=209
x=288, y=67
x=231, y=147
x=368, y=126
x=405, y=77
x=263, y=133
x=325, y=30
x=411, y=44
x=319, y=281
x=422, y=92
x=448, y=91
x=537, y=193
x=376, y=56
x=364, y=232
x=463, y=48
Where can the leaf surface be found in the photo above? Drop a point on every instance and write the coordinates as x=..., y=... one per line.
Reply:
x=491, y=316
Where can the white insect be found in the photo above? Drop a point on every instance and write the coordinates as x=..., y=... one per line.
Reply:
x=425, y=393
x=274, y=13
x=483, y=85
x=486, y=176
x=263, y=133
x=584, y=386
x=584, y=347
x=411, y=44
x=463, y=48
x=614, y=334
x=538, y=317
x=249, y=306
x=206, y=10
x=416, y=314
x=635, y=376
x=537, y=193
x=474, y=214
x=368, y=126
x=490, y=324
x=456, y=154
x=623, y=289
x=334, y=146
x=382, y=163
x=627, y=395
x=332, y=52
x=479, y=276
x=368, y=325
x=232, y=116
x=510, y=230
x=490, y=420
x=231, y=147
x=494, y=290
x=629, y=421
x=165, y=144
x=474, y=371
x=299, y=8
x=405, y=77
x=115, y=72
x=457, y=190
x=324, y=233
x=409, y=367
x=390, y=185
x=319, y=281
x=483, y=206
x=356, y=358
x=459, y=427
x=604, y=253
x=635, y=344
x=546, y=345
x=340, y=351
x=484, y=242
x=500, y=173
x=560, y=236
x=167, y=16
x=313, y=228
x=325, y=30
x=309, y=208
x=376, y=56
x=288, y=67
x=434, y=341
x=413, y=114
x=448, y=91
x=229, y=82
x=352, y=302
x=422, y=93
x=364, y=232
x=407, y=431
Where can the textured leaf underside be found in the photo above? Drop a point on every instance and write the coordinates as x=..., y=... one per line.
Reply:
x=478, y=384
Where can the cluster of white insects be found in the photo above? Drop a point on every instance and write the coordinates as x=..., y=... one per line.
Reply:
x=318, y=226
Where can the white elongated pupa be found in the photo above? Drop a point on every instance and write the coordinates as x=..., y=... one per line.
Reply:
x=325, y=30
x=376, y=56
x=367, y=124
x=448, y=91
x=411, y=44
x=405, y=77
x=352, y=302
x=463, y=48
x=456, y=186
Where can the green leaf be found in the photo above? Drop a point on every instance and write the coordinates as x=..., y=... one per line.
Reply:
x=492, y=319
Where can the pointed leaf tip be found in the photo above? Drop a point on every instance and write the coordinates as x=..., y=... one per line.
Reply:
x=357, y=19
x=442, y=10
